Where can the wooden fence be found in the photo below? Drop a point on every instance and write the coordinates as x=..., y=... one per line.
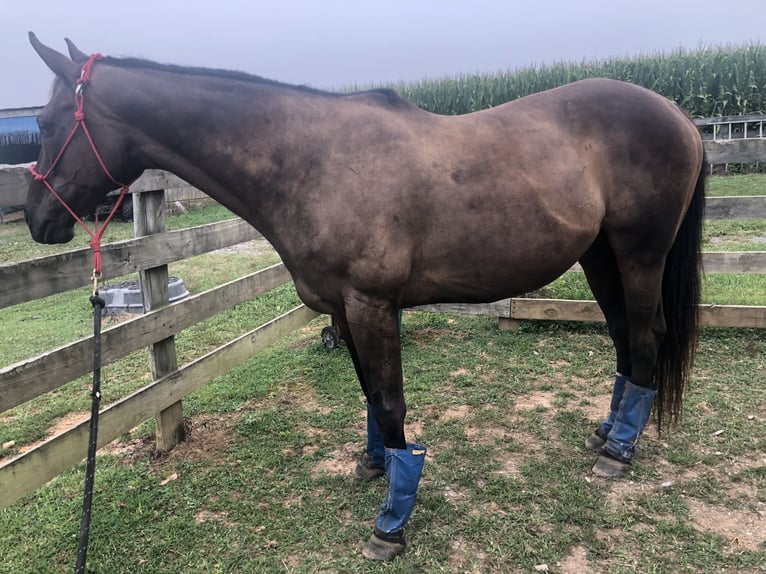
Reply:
x=731, y=127
x=150, y=253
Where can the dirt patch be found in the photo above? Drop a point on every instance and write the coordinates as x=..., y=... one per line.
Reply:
x=742, y=529
x=596, y=408
x=535, y=399
x=414, y=430
x=341, y=462
x=295, y=395
x=467, y=557
x=459, y=412
x=207, y=437
x=512, y=463
x=623, y=493
x=122, y=447
x=452, y=494
x=425, y=336
x=486, y=434
x=209, y=516
x=577, y=562
x=65, y=423
x=747, y=462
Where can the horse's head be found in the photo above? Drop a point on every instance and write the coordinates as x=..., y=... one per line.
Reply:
x=69, y=163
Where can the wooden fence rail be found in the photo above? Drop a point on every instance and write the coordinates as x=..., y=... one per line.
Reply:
x=563, y=310
x=36, y=278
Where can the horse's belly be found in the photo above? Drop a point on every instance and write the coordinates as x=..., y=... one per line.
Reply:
x=470, y=283
x=511, y=243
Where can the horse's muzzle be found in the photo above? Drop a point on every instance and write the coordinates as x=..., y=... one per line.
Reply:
x=48, y=231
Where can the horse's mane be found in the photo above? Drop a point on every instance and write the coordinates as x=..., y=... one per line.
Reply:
x=389, y=96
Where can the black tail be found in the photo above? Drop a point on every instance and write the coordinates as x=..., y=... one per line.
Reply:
x=681, y=290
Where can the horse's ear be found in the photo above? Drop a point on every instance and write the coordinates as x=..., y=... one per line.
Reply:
x=75, y=53
x=62, y=66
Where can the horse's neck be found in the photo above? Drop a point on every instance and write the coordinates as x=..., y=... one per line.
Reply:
x=232, y=144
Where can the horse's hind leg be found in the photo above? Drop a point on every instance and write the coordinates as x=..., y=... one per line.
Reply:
x=374, y=329
x=603, y=275
x=642, y=286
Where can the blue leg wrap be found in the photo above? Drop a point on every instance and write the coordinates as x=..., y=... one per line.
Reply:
x=403, y=468
x=619, y=386
x=375, y=446
x=630, y=421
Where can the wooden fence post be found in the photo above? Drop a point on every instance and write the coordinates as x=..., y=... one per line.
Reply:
x=148, y=219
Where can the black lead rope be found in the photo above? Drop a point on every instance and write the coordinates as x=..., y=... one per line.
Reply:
x=90, y=469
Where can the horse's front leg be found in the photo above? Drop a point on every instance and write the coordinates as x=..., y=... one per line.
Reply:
x=374, y=329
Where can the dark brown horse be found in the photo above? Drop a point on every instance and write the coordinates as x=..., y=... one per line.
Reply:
x=375, y=205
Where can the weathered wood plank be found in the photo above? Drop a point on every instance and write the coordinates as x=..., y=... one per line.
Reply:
x=556, y=310
x=37, y=278
x=732, y=262
x=28, y=379
x=736, y=207
x=14, y=183
x=729, y=120
x=27, y=472
x=500, y=308
x=19, y=112
x=741, y=316
x=735, y=151
x=564, y=310
x=735, y=262
x=153, y=179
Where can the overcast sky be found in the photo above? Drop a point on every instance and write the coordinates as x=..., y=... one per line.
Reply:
x=336, y=44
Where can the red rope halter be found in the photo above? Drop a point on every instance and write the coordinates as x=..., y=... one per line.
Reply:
x=79, y=116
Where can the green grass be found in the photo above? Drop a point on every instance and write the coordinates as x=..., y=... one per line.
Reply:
x=753, y=184
x=263, y=483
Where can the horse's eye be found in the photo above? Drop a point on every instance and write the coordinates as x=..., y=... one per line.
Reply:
x=43, y=127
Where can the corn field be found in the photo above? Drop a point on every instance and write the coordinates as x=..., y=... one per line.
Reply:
x=708, y=82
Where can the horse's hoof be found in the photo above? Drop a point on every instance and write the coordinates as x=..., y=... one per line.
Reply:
x=595, y=441
x=382, y=550
x=366, y=471
x=607, y=467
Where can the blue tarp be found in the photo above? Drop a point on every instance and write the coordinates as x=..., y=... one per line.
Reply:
x=20, y=130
